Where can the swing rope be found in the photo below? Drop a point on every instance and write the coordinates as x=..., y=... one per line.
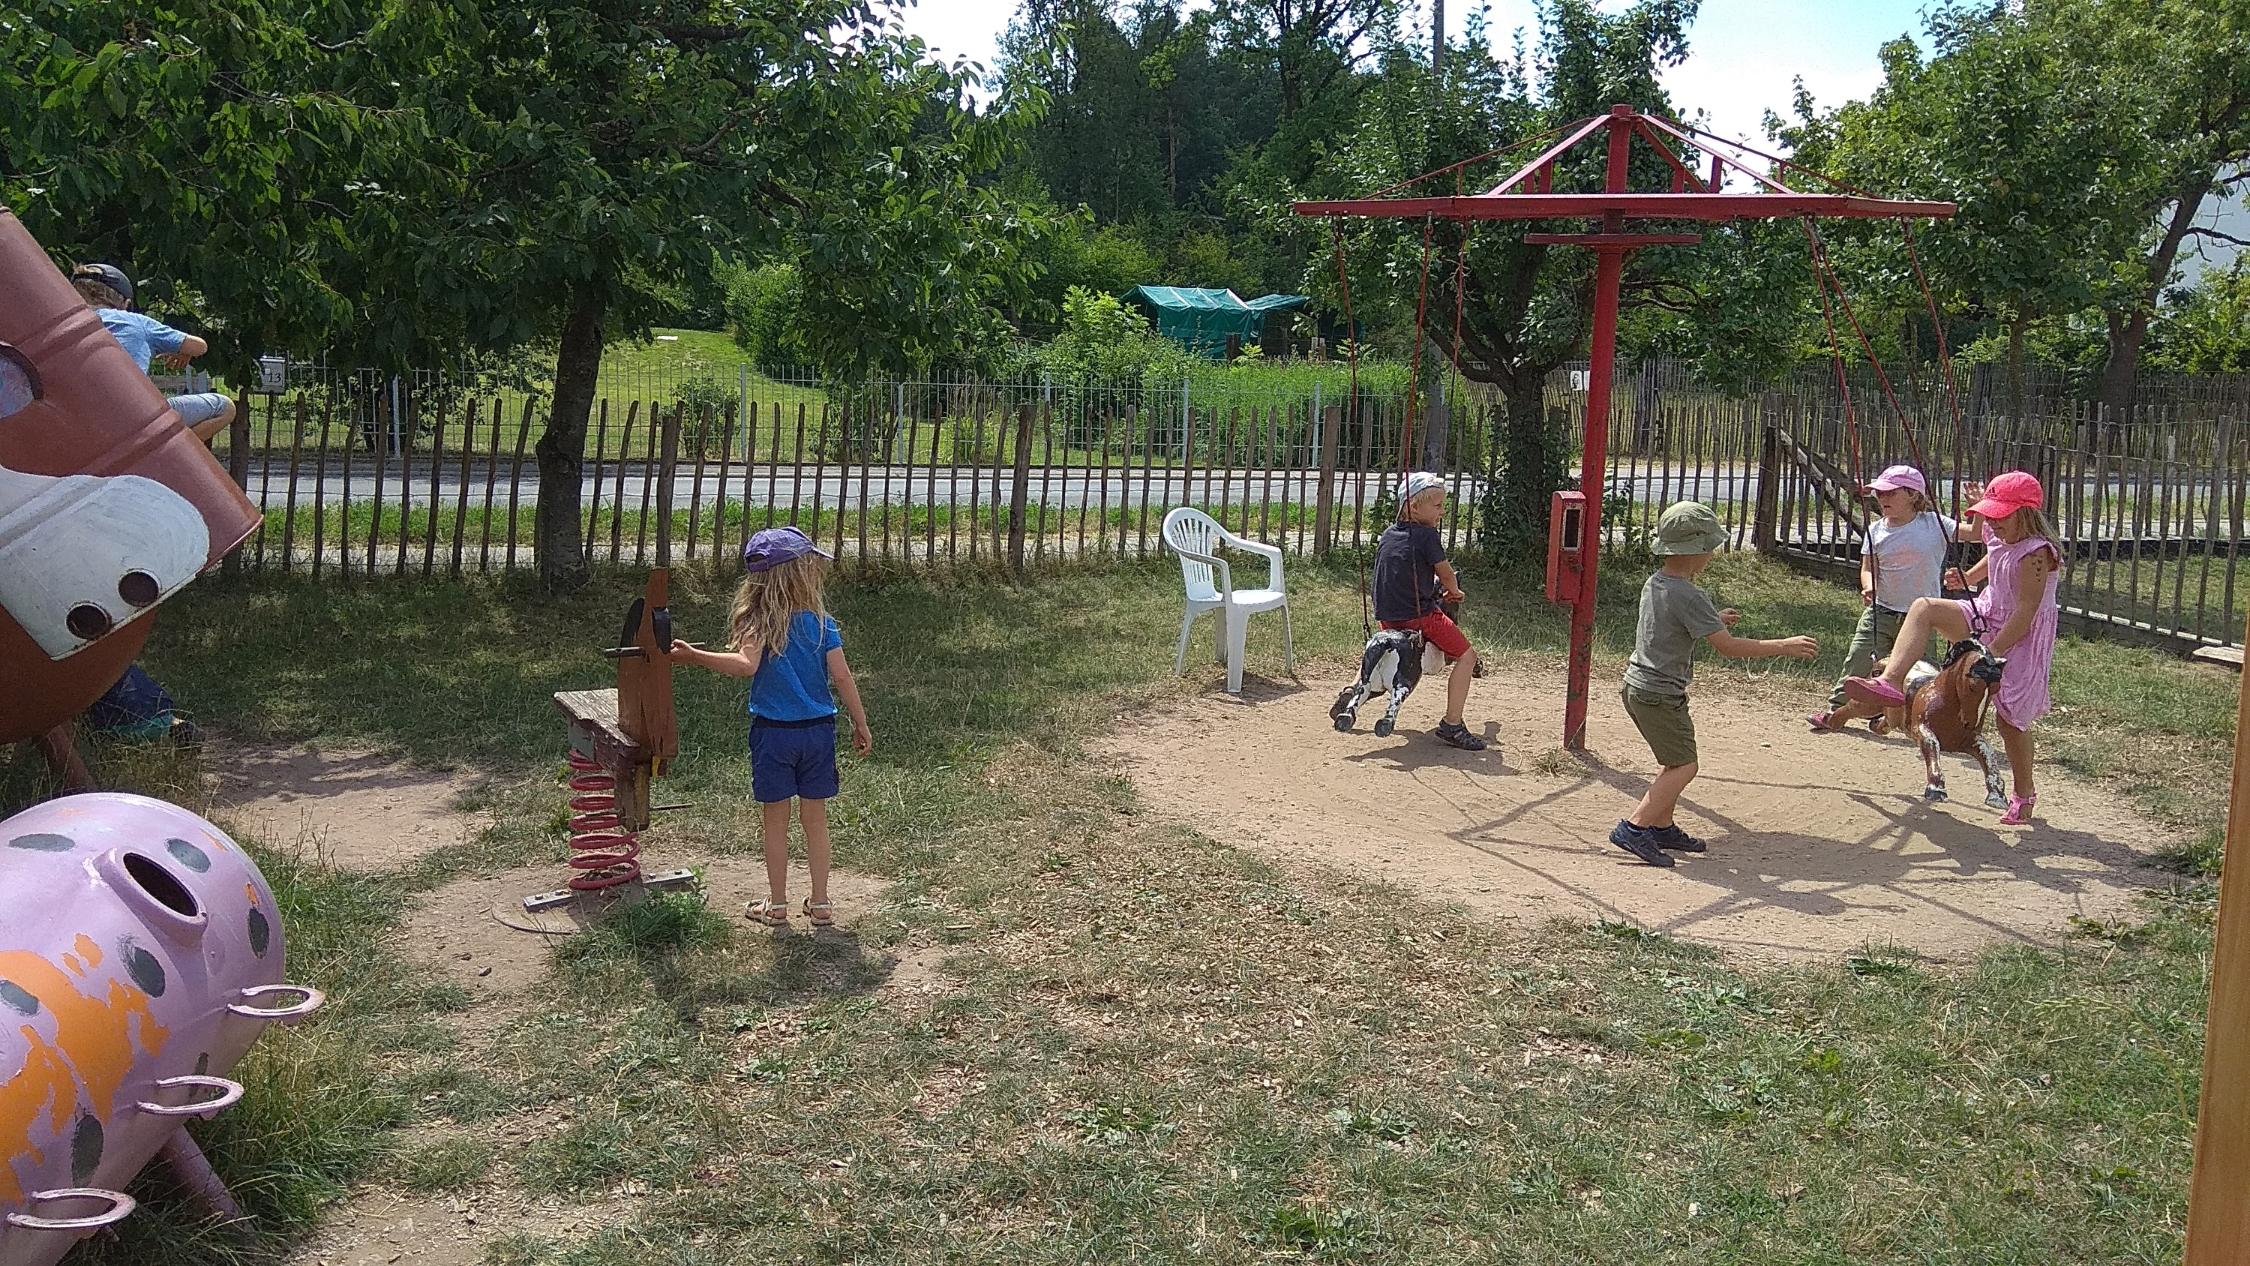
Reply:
x=1351, y=407
x=1882, y=379
x=1836, y=356
x=1414, y=379
x=1977, y=621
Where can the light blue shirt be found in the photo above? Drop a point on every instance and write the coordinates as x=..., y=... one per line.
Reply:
x=793, y=686
x=143, y=338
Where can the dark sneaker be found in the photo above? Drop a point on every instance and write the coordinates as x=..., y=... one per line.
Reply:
x=1640, y=843
x=1459, y=736
x=1675, y=839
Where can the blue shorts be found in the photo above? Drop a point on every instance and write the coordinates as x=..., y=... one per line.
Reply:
x=198, y=408
x=793, y=760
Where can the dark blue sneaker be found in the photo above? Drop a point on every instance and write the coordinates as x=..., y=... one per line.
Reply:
x=1675, y=839
x=1459, y=736
x=1640, y=843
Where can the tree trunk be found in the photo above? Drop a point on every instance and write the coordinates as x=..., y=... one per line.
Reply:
x=1437, y=45
x=1527, y=470
x=562, y=450
x=2122, y=369
x=1437, y=412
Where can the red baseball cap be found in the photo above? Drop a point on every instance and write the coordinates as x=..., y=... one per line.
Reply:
x=2016, y=490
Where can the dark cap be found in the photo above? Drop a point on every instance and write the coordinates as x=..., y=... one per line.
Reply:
x=109, y=275
x=774, y=546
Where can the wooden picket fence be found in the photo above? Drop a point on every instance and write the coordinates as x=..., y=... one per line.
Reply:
x=2151, y=504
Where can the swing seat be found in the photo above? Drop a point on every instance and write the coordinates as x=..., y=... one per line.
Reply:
x=1209, y=581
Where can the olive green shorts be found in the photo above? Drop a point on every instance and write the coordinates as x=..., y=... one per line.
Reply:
x=1665, y=723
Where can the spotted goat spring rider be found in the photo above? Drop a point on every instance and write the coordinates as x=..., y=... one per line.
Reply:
x=1390, y=666
x=140, y=949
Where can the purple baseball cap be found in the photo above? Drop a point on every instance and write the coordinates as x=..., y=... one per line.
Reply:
x=1897, y=477
x=774, y=546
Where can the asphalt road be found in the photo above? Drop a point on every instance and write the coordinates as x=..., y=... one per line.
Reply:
x=268, y=484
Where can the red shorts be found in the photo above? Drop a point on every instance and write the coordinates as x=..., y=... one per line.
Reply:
x=1438, y=629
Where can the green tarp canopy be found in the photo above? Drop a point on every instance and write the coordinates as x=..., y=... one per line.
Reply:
x=1203, y=320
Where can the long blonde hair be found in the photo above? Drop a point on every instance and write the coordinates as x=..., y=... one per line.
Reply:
x=2035, y=523
x=769, y=601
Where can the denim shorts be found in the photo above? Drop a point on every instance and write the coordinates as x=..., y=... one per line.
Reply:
x=200, y=407
x=793, y=760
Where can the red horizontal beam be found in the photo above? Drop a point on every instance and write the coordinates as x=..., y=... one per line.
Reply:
x=1613, y=239
x=1645, y=206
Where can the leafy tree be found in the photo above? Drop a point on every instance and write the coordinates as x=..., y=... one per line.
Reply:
x=1525, y=308
x=222, y=154
x=1313, y=46
x=1095, y=147
x=2081, y=139
x=2205, y=328
x=601, y=153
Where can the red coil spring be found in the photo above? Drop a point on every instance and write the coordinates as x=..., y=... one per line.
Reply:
x=603, y=854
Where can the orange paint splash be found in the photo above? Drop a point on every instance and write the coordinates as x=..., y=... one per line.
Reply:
x=94, y=1048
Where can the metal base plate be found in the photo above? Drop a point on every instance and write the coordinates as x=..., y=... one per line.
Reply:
x=610, y=896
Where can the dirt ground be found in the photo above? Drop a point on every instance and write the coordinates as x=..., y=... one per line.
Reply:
x=474, y=933
x=354, y=809
x=1819, y=844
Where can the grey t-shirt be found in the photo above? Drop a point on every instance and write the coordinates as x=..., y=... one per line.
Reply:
x=1675, y=615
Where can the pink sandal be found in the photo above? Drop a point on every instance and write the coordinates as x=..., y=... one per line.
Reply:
x=1820, y=724
x=1874, y=690
x=2019, y=811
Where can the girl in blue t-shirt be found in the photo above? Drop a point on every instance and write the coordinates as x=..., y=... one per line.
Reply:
x=782, y=638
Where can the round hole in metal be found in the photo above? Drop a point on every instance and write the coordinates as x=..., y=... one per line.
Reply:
x=159, y=883
x=87, y=621
x=137, y=588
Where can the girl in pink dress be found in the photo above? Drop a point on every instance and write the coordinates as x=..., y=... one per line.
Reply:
x=2014, y=617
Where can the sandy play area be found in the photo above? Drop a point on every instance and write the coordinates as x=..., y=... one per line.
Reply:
x=1820, y=844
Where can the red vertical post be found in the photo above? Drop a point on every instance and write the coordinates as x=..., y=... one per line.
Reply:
x=1594, y=469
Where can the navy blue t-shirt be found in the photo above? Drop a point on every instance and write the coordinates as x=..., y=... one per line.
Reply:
x=1406, y=583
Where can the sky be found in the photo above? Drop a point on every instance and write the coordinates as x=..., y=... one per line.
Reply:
x=1742, y=56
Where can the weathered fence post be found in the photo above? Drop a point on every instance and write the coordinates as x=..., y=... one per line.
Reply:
x=1769, y=485
x=1324, y=493
x=238, y=468
x=1019, y=495
x=667, y=465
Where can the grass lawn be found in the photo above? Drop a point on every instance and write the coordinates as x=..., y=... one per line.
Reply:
x=1149, y=1045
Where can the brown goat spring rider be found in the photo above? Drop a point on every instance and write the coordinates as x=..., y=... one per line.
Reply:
x=1944, y=712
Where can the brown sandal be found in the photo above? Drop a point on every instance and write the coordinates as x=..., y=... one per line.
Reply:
x=771, y=914
x=822, y=913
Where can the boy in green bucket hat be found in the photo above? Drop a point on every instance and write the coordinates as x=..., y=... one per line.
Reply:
x=1675, y=615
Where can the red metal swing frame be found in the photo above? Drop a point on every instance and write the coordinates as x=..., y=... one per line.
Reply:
x=1528, y=194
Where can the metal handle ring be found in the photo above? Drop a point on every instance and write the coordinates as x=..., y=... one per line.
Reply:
x=309, y=1001
x=120, y=1207
x=228, y=1093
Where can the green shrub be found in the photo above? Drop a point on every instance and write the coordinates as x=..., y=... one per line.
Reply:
x=765, y=305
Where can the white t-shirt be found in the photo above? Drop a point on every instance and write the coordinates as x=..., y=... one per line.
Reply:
x=1909, y=560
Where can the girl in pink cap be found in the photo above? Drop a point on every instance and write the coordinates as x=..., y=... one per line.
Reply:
x=1904, y=560
x=2014, y=617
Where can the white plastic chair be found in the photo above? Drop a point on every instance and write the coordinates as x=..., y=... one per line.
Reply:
x=1197, y=538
